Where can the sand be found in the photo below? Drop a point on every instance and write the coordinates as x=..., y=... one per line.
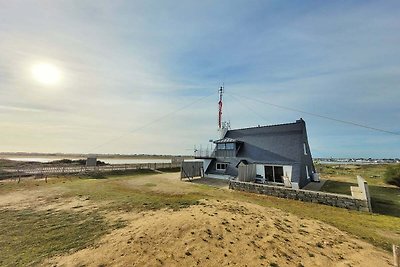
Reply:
x=224, y=234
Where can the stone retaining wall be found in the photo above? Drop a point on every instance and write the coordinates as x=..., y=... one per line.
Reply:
x=337, y=200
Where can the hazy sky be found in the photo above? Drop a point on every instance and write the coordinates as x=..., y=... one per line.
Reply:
x=129, y=67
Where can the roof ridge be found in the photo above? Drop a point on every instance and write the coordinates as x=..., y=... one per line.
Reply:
x=265, y=126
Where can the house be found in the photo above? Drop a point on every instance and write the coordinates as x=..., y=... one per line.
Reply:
x=278, y=154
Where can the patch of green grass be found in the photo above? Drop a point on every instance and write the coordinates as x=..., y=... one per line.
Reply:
x=31, y=184
x=115, y=173
x=384, y=200
x=176, y=169
x=29, y=236
x=119, y=196
x=392, y=175
x=337, y=187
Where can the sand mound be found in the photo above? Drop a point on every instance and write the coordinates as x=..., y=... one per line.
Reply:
x=225, y=233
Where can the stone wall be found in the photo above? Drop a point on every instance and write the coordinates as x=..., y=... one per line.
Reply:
x=337, y=200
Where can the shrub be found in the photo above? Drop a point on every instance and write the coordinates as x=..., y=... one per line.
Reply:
x=392, y=175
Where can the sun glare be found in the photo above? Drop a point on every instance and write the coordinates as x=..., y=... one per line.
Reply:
x=46, y=73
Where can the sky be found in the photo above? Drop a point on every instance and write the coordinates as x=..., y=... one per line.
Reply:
x=142, y=76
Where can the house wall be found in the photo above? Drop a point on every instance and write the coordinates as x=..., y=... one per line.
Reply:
x=307, y=160
x=337, y=200
x=225, y=153
x=206, y=163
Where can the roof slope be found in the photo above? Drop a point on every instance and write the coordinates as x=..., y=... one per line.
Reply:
x=275, y=143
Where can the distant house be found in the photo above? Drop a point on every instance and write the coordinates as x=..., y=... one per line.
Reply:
x=279, y=154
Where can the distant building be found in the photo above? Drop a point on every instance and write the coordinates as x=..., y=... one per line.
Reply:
x=91, y=161
x=280, y=154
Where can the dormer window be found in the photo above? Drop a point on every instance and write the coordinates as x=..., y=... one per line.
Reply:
x=221, y=146
x=226, y=146
x=230, y=146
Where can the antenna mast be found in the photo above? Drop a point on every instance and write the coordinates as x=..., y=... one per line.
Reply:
x=221, y=91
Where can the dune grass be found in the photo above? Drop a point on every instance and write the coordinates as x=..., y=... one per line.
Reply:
x=372, y=173
x=29, y=236
x=124, y=198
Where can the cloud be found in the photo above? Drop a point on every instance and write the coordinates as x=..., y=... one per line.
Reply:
x=126, y=64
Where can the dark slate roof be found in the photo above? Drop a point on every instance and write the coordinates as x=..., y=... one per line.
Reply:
x=274, y=143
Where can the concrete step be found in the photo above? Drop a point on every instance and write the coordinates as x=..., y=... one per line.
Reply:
x=218, y=176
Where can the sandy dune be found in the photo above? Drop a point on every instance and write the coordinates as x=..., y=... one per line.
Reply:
x=221, y=234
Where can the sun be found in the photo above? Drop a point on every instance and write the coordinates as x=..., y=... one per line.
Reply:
x=46, y=73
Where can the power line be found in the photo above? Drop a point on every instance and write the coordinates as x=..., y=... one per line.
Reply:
x=150, y=123
x=318, y=115
x=246, y=106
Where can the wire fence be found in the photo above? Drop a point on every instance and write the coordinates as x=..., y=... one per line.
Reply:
x=18, y=172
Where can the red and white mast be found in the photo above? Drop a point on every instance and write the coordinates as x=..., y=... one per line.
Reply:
x=223, y=126
x=221, y=91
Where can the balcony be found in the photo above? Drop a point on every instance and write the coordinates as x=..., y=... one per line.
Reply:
x=204, y=153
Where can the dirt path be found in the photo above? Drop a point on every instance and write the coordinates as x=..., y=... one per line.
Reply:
x=225, y=233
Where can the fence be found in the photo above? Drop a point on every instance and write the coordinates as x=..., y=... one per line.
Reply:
x=191, y=169
x=246, y=173
x=63, y=169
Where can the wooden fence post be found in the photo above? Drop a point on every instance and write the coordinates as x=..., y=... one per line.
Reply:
x=396, y=256
x=19, y=176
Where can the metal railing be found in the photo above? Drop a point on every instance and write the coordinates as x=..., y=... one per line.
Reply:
x=204, y=153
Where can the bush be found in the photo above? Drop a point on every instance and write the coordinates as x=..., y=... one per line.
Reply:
x=392, y=175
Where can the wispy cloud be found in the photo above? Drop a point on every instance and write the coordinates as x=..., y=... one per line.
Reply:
x=125, y=64
x=22, y=109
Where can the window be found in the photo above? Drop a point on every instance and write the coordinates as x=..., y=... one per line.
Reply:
x=278, y=173
x=274, y=174
x=226, y=146
x=305, y=148
x=230, y=146
x=221, y=166
x=307, y=173
x=221, y=146
x=269, y=173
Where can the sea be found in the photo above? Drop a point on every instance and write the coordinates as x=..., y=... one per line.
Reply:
x=106, y=160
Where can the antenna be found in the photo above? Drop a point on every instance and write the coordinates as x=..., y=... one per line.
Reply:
x=221, y=92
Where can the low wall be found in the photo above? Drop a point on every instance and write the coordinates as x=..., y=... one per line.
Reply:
x=337, y=200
